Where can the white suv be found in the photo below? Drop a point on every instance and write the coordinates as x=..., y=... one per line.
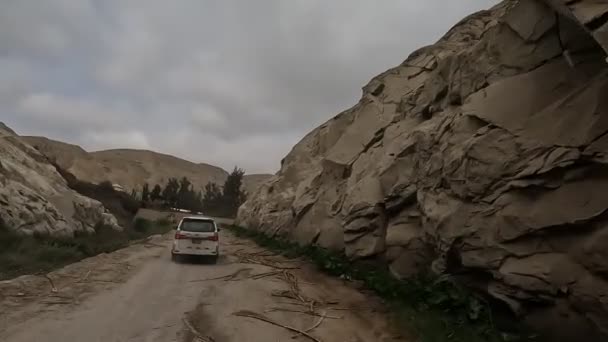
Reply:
x=196, y=236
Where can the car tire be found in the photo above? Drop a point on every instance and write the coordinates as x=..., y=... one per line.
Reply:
x=174, y=257
x=214, y=259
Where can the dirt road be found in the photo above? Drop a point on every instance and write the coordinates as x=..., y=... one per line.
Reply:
x=139, y=294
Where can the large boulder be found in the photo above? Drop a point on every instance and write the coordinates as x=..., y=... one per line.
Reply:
x=35, y=199
x=484, y=154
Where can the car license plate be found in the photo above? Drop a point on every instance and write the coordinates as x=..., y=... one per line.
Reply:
x=197, y=241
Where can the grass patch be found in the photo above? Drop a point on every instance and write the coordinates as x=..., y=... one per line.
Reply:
x=20, y=254
x=436, y=309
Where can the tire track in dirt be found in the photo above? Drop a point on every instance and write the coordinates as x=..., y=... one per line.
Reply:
x=139, y=294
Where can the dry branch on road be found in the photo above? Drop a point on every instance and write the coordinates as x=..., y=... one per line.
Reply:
x=282, y=273
x=227, y=277
x=53, y=288
x=314, y=326
x=256, y=258
x=251, y=314
x=86, y=276
x=307, y=312
x=197, y=335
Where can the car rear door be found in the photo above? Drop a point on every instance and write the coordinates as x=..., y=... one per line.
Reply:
x=197, y=235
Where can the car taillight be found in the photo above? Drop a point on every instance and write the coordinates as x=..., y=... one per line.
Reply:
x=179, y=236
x=215, y=237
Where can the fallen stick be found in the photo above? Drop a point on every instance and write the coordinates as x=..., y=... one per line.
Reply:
x=237, y=273
x=287, y=294
x=57, y=303
x=248, y=260
x=196, y=333
x=105, y=281
x=292, y=303
x=226, y=277
x=86, y=276
x=60, y=296
x=318, y=322
x=303, y=312
x=263, y=275
x=346, y=309
x=314, y=326
x=209, y=279
x=280, y=267
x=53, y=288
x=251, y=314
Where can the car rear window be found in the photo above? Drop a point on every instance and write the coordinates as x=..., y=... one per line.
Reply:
x=200, y=226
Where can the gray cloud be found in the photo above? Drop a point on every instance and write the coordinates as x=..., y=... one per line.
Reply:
x=224, y=82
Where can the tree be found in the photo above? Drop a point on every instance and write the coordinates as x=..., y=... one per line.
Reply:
x=199, y=201
x=145, y=193
x=155, y=195
x=186, y=196
x=212, y=199
x=169, y=194
x=233, y=195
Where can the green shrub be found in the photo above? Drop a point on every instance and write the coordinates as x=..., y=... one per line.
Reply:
x=56, y=253
x=129, y=203
x=164, y=222
x=141, y=225
x=6, y=236
x=23, y=254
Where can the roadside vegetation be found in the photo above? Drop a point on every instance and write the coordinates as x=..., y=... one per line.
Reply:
x=30, y=254
x=22, y=254
x=435, y=309
x=213, y=200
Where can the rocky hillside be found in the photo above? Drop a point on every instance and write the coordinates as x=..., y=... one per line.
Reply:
x=34, y=198
x=132, y=168
x=484, y=156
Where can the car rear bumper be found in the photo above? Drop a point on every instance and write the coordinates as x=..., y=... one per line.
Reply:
x=191, y=249
x=195, y=252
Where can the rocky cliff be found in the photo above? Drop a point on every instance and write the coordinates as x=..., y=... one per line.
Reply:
x=132, y=168
x=484, y=155
x=34, y=198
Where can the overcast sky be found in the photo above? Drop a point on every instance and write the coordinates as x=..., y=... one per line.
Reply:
x=224, y=82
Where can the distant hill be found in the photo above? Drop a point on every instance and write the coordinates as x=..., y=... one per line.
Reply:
x=132, y=168
x=5, y=130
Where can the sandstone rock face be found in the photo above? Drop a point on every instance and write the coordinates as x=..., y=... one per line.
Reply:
x=34, y=198
x=132, y=168
x=484, y=154
x=590, y=14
